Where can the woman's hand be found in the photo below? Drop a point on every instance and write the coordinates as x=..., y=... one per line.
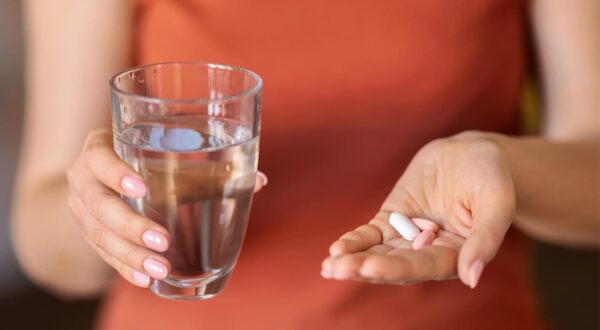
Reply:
x=126, y=240
x=461, y=183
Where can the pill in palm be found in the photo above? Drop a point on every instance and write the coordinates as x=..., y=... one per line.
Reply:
x=423, y=239
x=404, y=226
x=425, y=224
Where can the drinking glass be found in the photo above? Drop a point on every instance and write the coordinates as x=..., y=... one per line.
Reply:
x=191, y=130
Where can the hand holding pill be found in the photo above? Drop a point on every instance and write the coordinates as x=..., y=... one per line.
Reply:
x=410, y=229
x=404, y=226
x=446, y=217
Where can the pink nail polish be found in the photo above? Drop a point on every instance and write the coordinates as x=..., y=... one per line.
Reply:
x=155, y=241
x=155, y=268
x=475, y=273
x=142, y=280
x=424, y=238
x=133, y=186
x=263, y=177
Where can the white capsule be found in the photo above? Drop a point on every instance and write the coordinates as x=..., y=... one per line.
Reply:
x=404, y=226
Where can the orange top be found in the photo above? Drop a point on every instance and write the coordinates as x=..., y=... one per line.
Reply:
x=352, y=90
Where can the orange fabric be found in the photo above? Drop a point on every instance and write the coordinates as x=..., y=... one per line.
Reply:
x=352, y=90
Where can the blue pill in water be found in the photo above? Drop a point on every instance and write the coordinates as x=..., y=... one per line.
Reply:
x=175, y=139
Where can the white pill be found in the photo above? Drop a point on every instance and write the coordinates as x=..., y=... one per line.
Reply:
x=404, y=226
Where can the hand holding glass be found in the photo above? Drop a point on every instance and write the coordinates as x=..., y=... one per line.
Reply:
x=191, y=131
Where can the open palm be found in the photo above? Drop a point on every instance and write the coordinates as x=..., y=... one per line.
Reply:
x=463, y=185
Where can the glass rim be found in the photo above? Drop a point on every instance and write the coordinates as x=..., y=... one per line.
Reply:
x=151, y=99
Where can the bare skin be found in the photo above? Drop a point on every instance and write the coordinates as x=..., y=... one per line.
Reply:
x=70, y=248
x=108, y=224
x=471, y=186
x=475, y=185
x=66, y=99
x=67, y=247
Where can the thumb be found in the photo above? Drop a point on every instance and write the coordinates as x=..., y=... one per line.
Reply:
x=490, y=223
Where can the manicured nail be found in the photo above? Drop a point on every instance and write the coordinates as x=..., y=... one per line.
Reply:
x=475, y=273
x=263, y=178
x=155, y=240
x=133, y=186
x=141, y=279
x=423, y=239
x=155, y=268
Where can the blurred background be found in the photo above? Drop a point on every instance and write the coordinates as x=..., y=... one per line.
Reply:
x=22, y=306
x=567, y=280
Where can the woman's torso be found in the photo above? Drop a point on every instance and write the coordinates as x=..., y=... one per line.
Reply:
x=352, y=90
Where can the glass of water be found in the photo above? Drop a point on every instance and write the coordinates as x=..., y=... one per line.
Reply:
x=191, y=130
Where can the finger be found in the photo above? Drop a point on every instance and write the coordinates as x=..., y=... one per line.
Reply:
x=377, y=231
x=359, y=239
x=104, y=164
x=346, y=266
x=129, y=274
x=490, y=223
x=425, y=224
x=109, y=209
x=402, y=265
x=134, y=256
x=343, y=267
x=261, y=181
x=399, y=243
x=381, y=249
x=424, y=238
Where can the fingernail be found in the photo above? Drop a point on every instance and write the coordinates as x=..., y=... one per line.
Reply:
x=263, y=178
x=424, y=238
x=475, y=273
x=155, y=241
x=141, y=279
x=325, y=273
x=133, y=186
x=155, y=268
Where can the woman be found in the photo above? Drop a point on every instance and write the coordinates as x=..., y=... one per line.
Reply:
x=352, y=92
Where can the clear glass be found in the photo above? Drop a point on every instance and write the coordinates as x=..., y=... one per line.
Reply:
x=191, y=130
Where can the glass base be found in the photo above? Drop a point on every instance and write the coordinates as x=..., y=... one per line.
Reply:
x=195, y=289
